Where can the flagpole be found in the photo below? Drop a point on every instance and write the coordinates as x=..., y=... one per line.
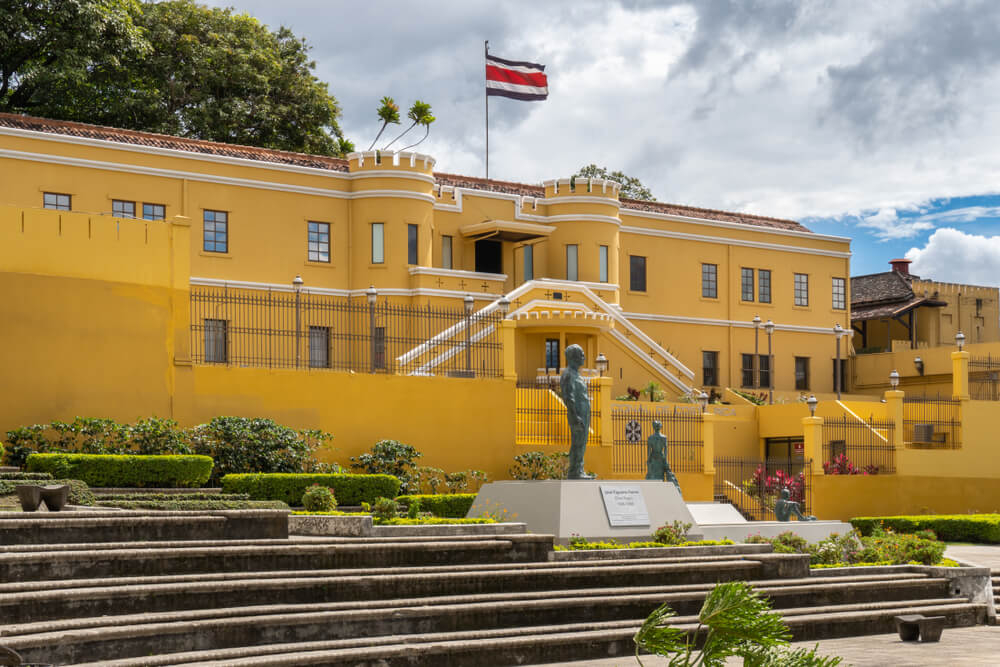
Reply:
x=486, y=93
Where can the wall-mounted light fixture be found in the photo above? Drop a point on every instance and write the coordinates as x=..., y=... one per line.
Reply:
x=919, y=363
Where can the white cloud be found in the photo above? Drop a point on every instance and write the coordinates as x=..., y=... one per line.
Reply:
x=954, y=256
x=887, y=225
x=960, y=215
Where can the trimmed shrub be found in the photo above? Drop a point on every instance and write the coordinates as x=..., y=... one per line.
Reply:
x=172, y=496
x=79, y=492
x=384, y=509
x=452, y=505
x=125, y=470
x=392, y=457
x=539, y=465
x=289, y=487
x=319, y=499
x=978, y=528
x=672, y=534
x=193, y=505
x=38, y=476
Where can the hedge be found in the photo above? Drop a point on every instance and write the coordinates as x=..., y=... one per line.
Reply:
x=289, y=487
x=980, y=528
x=193, y=505
x=451, y=505
x=37, y=476
x=79, y=492
x=137, y=496
x=124, y=470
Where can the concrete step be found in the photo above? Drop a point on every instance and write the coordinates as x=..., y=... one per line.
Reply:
x=524, y=645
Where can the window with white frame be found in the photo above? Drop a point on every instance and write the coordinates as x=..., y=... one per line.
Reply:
x=319, y=241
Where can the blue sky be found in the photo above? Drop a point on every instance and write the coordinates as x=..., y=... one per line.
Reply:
x=874, y=120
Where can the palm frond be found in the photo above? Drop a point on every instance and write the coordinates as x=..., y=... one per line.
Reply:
x=655, y=636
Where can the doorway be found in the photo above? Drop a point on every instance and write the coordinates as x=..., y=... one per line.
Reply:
x=489, y=256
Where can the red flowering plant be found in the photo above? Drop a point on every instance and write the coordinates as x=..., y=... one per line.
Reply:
x=768, y=487
x=841, y=465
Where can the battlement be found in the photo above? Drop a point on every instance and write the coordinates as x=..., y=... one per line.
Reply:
x=389, y=160
x=590, y=187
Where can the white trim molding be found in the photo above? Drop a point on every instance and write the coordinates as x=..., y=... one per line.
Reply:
x=736, y=324
x=455, y=273
x=663, y=233
x=331, y=291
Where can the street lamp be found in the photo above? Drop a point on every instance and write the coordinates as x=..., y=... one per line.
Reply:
x=468, y=302
x=504, y=304
x=919, y=363
x=769, y=329
x=756, y=352
x=960, y=340
x=371, y=294
x=811, y=402
x=602, y=363
x=297, y=283
x=894, y=379
x=838, y=379
x=703, y=401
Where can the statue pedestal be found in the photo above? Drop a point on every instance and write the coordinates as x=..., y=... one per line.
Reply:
x=563, y=507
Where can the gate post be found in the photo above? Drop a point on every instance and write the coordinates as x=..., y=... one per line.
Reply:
x=894, y=411
x=708, y=424
x=812, y=442
x=507, y=341
x=960, y=375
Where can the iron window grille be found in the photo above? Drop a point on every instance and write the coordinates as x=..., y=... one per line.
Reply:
x=319, y=347
x=552, y=353
x=216, y=336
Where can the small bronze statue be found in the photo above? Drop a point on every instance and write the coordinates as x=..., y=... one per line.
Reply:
x=657, y=466
x=785, y=508
x=574, y=395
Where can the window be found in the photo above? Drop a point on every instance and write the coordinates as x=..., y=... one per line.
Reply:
x=571, y=265
x=710, y=281
x=529, y=262
x=764, y=285
x=216, y=231
x=839, y=294
x=378, y=243
x=801, y=289
x=802, y=373
x=710, y=368
x=216, y=341
x=319, y=242
x=602, y=273
x=979, y=307
x=378, y=347
x=319, y=347
x=552, y=353
x=637, y=273
x=843, y=375
x=154, y=212
x=746, y=284
x=56, y=201
x=765, y=370
x=411, y=244
x=747, y=369
x=122, y=209
x=445, y=252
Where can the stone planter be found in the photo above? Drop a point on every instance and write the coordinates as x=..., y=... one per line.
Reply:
x=30, y=496
x=56, y=496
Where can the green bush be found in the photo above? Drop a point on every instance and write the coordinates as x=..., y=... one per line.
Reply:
x=675, y=533
x=38, y=476
x=79, y=492
x=453, y=505
x=978, y=528
x=391, y=457
x=539, y=465
x=583, y=545
x=125, y=470
x=784, y=543
x=289, y=487
x=193, y=505
x=426, y=521
x=384, y=509
x=173, y=496
x=319, y=499
x=2, y=451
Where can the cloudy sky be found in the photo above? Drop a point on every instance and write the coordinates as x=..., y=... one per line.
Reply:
x=878, y=120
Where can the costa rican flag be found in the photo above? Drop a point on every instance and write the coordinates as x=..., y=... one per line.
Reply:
x=516, y=79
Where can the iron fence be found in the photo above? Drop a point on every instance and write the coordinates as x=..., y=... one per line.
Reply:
x=932, y=422
x=632, y=426
x=984, y=378
x=867, y=445
x=753, y=485
x=541, y=418
x=276, y=329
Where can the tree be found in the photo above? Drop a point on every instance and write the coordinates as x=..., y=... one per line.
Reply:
x=420, y=114
x=173, y=67
x=632, y=188
x=388, y=112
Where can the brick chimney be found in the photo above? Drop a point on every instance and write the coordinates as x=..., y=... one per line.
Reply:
x=901, y=266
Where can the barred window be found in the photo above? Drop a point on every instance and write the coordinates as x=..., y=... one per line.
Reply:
x=319, y=347
x=839, y=293
x=748, y=371
x=319, y=242
x=765, y=370
x=56, y=201
x=764, y=285
x=378, y=348
x=710, y=368
x=710, y=281
x=802, y=373
x=216, y=231
x=746, y=284
x=122, y=209
x=801, y=289
x=446, y=252
x=552, y=353
x=154, y=211
x=216, y=341
x=637, y=273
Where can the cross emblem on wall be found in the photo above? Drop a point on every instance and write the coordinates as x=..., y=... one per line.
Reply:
x=486, y=286
x=440, y=283
x=548, y=294
x=461, y=284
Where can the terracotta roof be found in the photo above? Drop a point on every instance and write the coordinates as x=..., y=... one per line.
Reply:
x=888, y=287
x=134, y=137
x=879, y=311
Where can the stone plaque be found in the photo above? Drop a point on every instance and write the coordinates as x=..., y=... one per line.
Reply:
x=625, y=505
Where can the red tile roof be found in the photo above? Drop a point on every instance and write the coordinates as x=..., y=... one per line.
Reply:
x=153, y=140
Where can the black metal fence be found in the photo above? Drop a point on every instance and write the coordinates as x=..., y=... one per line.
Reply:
x=932, y=422
x=632, y=426
x=275, y=329
x=753, y=485
x=540, y=414
x=866, y=445
x=984, y=378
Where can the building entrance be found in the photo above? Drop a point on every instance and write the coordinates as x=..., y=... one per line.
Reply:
x=489, y=256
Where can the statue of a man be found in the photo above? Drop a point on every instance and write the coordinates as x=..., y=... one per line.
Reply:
x=785, y=508
x=657, y=466
x=574, y=395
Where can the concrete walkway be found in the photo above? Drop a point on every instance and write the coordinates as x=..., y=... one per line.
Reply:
x=978, y=554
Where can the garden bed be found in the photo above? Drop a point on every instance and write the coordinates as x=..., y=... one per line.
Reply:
x=700, y=551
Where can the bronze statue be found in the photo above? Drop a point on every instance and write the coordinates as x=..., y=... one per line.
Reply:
x=785, y=508
x=574, y=395
x=657, y=466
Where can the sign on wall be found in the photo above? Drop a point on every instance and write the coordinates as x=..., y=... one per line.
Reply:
x=625, y=505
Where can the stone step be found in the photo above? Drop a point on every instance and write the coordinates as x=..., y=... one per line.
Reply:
x=516, y=646
x=35, y=566
x=161, y=597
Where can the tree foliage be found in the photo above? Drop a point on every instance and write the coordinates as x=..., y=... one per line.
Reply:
x=173, y=67
x=632, y=188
